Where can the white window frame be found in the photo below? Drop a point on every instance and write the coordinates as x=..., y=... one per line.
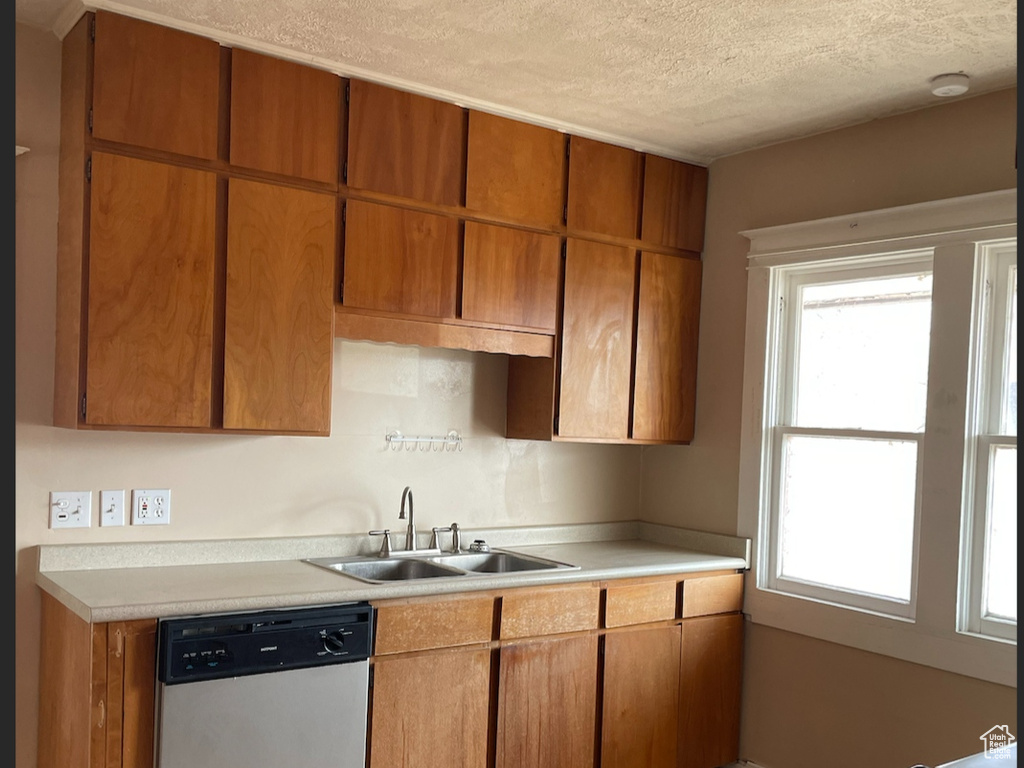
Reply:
x=988, y=372
x=778, y=420
x=951, y=230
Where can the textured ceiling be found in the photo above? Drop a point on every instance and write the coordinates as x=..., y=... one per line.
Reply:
x=693, y=79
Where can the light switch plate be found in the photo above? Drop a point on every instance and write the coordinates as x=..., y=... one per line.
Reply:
x=111, y=507
x=70, y=509
x=151, y=506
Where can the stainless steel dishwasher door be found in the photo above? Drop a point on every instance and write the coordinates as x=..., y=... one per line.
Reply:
x=312, y=717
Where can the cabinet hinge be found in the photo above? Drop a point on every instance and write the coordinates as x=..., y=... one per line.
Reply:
x=83, y=407
x=88, y=169
x=563, y=249
x=565, y=213
x=92, y=29
x=90, y=122
x=347, y=88
x=344, y=210
x=555, y=425
x=344, y=172
x=341, y=292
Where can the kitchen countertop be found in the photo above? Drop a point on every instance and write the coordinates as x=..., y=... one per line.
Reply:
x=124, y=581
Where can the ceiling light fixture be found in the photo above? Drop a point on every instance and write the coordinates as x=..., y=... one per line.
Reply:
x=952, y=84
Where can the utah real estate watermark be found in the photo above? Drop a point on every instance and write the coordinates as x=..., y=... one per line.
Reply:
x=997, y=742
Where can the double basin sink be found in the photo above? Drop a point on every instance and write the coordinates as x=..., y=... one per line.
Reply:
x=433, y=564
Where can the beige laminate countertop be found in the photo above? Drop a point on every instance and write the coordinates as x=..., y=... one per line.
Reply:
x=116, y=582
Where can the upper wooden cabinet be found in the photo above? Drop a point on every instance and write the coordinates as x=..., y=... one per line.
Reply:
x=279, y=309
x=284, y=117
x=515, y=170
x=399, y=260
x=597, y=340
x=404, y=144
x=155, y=87
x=510, y=276
x=668, y=318
x=604, y=188
x=150, y=301
x=675, y=196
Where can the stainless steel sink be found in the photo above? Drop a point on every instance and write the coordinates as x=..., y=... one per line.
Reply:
x=500, y=561
x=379, y=570
x=433, y=564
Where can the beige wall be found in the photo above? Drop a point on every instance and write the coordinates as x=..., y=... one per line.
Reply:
x=245, y=486
x=809, y=703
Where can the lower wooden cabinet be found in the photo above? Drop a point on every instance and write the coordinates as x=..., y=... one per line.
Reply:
x=431, y=709
x=547, y=703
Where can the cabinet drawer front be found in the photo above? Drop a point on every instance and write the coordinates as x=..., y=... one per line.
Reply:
x=433, y=624
x=627, y=604
x=712, y=594
x=537, y=612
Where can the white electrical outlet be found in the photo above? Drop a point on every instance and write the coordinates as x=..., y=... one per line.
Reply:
x=70, y=509
x=151, y=507
x=111, y=507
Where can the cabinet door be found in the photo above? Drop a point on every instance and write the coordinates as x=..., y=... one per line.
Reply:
x=430, y=710
x=604, y=188
x=668, y=319
x=510, y=276
x=155, y=87
x=150, y=301
x=399, y=260
x=404, y=144
x=284, y=117
x=710, y=680
x=675, y=196
x=279, y=312
x=640, y=709
x=130, y=691
x=515, y=170
x=547, y=704
x=597, y=340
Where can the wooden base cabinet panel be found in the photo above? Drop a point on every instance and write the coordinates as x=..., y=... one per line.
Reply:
x=547, y=704
x=151, y=294
x=96, y=691
x=710, y=681
x=640, y=710
x=279, y=313
x=430, y=710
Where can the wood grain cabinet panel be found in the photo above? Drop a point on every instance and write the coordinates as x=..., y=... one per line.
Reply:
x=399, y=260
x=515, y=170
x=604, y=188
x=433, y=623
x=627, y=604
x=706, y=595
x=510, y=276
x=674, y=203
x=640, y=705
x=285, y=117
x=150, y=306
x=431, y=710
x=597, y=340
x=279, y=309
x=668, y=322
x=710, y=683
x=155, y=87
x=547, y=704
x=548, y=611
x=405, y=144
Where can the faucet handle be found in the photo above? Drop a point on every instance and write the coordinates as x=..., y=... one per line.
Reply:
x=434, y=543
x=456, y=537
x=385, y=546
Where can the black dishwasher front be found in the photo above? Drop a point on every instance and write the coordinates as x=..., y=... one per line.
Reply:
x=264, y=689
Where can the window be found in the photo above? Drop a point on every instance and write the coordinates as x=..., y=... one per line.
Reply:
x=989, y=554
x=846, y=419
x=878, y=454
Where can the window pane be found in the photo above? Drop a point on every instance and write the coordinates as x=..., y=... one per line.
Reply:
x=1009, y=409
x=847, y=513
x=1001, y=557
x=862, y=360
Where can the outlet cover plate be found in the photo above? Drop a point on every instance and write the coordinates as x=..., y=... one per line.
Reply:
x=151, y=506
x=70, y=509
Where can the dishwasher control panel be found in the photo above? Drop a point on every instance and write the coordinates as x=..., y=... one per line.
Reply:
x=236, y=644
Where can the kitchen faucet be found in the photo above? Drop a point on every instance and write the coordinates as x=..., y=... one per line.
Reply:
x=410, y=531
